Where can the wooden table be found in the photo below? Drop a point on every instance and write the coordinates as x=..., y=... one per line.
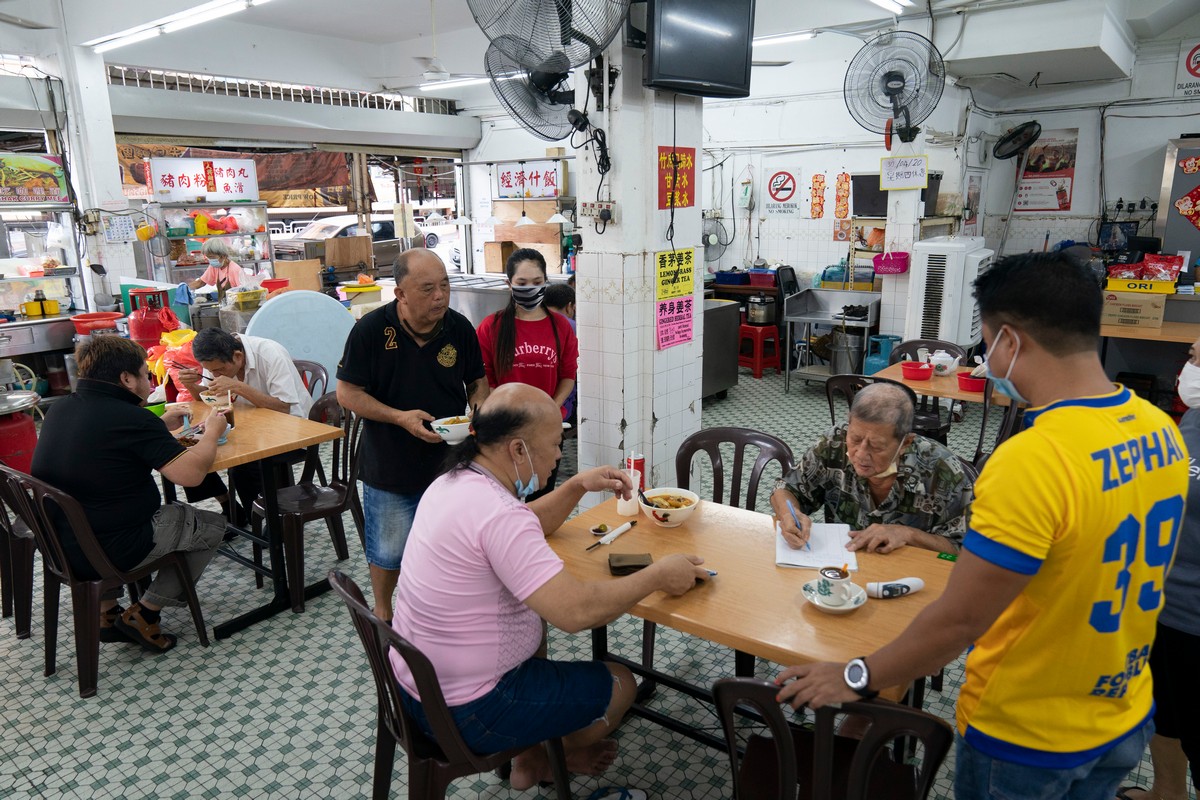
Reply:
x=1184, y=332
x=939, y=385
x=752, y=605
x=261, y=435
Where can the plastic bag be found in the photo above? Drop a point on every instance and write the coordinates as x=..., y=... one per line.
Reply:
x=1161, y=268
x=180, y=358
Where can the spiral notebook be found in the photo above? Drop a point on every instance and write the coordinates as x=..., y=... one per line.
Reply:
x=828, y=541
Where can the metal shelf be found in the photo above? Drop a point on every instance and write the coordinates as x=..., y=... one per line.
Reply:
x=218, y=235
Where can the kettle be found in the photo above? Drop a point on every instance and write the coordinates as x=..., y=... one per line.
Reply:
x=943, y=363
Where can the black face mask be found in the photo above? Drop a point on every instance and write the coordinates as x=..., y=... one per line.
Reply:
x=529, y=297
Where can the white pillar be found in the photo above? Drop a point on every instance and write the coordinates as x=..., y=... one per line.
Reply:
x=633, y=396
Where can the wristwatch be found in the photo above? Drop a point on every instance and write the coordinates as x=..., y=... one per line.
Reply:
x=780, y=483
x=858, y=677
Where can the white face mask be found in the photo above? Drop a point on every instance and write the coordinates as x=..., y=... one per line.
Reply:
x=1189, y=385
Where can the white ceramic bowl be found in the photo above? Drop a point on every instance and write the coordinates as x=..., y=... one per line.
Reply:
x=451, y=433
x=673, y=517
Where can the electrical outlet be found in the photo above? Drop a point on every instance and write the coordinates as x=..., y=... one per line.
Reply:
x=711, y=213
x=599, y=210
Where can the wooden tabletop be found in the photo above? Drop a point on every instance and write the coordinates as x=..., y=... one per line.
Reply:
x=259, y=433
x=939, y=385
x=753, y=605
x=1184, y=332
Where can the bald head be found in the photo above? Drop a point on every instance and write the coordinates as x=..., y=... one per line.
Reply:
x=884, y=404
x=518, y=400
x=415, y=258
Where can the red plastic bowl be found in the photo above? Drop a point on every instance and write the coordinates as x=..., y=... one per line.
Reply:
x=271, y=284
x=916, y=370
x=969, y=384
x=96, y=321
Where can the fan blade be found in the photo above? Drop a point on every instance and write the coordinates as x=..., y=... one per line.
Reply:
x=769, y=63
x=21, y=22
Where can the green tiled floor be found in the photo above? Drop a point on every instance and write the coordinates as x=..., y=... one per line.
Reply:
x=287, y=709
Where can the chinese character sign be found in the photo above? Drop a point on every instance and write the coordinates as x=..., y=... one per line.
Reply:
x=532, y=179
x=186, y=180
x=676, y=177
x=32, y=179
x=675, y=273
x=673, y=321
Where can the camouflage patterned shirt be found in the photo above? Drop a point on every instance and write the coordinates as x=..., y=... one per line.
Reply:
x=931, y=493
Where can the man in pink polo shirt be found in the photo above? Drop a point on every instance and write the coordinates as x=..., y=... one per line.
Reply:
x=479, y=578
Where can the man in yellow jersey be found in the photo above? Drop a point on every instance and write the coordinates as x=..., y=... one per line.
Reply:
x=1060, y=580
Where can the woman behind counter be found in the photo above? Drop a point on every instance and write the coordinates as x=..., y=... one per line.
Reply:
x=222, y=272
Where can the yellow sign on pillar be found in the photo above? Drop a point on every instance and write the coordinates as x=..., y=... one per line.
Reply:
x=675, y=273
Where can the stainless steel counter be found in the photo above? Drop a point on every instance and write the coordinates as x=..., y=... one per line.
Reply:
x=816, y=307
x=37, y=335
x=477, y=296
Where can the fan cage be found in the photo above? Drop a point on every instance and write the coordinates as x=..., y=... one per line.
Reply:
x=536, y=31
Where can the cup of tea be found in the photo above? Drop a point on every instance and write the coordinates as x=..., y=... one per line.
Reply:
x=833, y=585
x=629, y=508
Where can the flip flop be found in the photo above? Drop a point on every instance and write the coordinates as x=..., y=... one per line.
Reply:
x=1122, y=793
x=617, y=793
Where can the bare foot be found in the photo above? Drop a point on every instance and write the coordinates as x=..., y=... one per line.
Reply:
x=529, y=767
x=533, y=765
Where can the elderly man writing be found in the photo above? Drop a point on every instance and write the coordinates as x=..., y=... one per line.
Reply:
x=891, y=486
x=479, y=578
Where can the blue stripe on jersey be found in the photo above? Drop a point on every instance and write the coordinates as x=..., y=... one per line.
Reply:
x=1000, y=554
x=1027, y=756
x=1104, y=401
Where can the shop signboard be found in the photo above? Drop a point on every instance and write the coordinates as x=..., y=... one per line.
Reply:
x=676, y=177
x=531, y=179
x=192, y=180
x=32, y=179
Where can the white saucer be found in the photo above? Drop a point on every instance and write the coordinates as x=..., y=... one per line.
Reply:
x=858, y=596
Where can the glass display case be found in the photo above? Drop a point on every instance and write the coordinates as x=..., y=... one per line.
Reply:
x=38, y=253
x=175, y=255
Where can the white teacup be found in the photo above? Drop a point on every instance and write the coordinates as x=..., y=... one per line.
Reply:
x=833, y=585
x=629, y=508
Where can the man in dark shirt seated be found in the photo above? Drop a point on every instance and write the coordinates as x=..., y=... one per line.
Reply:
x=100, y=446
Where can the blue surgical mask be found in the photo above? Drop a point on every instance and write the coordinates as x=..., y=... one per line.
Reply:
x=214, y=262
x=1004, y=385
x=522, y=488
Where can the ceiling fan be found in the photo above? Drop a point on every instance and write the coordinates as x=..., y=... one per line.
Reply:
x=432, y=68
x=22, y=22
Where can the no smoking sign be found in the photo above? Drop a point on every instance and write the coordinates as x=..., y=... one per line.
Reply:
x=782, y=197
x=782, y=187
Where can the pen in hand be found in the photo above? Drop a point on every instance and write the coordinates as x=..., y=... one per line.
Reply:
x=796, y=517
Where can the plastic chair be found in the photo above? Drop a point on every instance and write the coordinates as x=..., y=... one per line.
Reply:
x=314, y=375
x=34, y=500
x=310, y=500
x=432, y=763
x=770, y=448
x=928, y=420
x=1010, y=424
x=849, y=385
x=16, y=571
x=819, y=765
x=756, y=360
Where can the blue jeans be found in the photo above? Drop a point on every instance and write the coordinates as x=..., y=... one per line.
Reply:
x=981, y=777
x=388, y=518
x=536, y=701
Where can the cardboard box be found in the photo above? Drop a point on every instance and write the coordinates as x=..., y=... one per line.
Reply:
x=1137, y=310
x=348, y=251
x=1140, y=286
x=300, y=274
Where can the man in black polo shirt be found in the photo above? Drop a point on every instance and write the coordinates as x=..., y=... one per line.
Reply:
x=100, y=446
x=413, y=361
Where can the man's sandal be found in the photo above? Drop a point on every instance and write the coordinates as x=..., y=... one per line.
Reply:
x=148, y=634
x=109, y=632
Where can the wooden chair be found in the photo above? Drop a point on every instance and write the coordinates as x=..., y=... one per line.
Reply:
x=848, y=386
x=315, y=376
x=819, y=765
x=1010, y=424
x=311, y=500
x=38, y=503
x=928, y=420
x=16, y=570
x=432, y=762
x=770, y=448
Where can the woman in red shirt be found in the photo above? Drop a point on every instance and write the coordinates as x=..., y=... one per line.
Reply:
x=526, y=342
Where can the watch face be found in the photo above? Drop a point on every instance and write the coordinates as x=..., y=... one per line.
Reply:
x=854, y=675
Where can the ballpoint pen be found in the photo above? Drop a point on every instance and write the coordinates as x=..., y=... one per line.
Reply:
x=608, y=538
x=796, y=517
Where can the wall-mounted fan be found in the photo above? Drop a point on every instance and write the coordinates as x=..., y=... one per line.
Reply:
x=894, y=83
x=539, y=34
x=539, y=99
x=1015, y=142
x=715, y=238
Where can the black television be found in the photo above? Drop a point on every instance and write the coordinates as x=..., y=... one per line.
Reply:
x=699, y=47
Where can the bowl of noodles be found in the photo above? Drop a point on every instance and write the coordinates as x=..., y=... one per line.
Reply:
x=669, y=507
x=452, y=429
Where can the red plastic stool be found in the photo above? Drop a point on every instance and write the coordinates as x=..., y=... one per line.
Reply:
x=756, y=360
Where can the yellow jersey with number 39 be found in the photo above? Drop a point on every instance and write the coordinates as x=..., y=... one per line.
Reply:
x=1088, y=500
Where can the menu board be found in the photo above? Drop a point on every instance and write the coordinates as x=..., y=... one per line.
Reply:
x=32, y=179
x=674, y=273
x=198, y=180
x=673, y=321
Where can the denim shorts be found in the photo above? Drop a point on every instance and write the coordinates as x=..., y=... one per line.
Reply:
x=982, y=777
x=387, y=517
x=536, y=701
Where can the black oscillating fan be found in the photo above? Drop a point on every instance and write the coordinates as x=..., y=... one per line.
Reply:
x=1013, y=143
x=894, y=83
x=539, y=99
x=537, y=33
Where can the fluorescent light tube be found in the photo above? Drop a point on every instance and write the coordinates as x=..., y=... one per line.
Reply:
x=204, y=16
x=121, y=41
x=889, y=5
x=454, y=84
x=783, y=38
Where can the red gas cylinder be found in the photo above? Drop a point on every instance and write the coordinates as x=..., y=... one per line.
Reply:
x=145, y=323
x=18, y=434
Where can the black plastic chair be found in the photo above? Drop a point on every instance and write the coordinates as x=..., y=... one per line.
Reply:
x=314, y=375
x=310, y=500
x=819, y=765
x=849, y=385
x=16, y=571
x=37, y=503
x=928, y=420
x=432, y=763
x=1010, y=424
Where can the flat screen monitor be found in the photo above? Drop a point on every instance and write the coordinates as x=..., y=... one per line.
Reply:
x=699, y=47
